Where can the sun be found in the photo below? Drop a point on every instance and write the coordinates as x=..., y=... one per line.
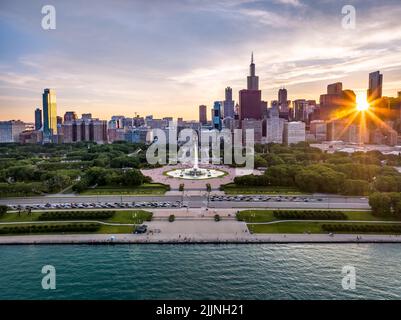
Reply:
x=361, y=103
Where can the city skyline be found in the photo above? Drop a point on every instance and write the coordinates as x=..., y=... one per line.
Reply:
x=179, y=65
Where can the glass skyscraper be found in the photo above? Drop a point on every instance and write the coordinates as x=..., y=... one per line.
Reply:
x=49, y=113
x=38, y=119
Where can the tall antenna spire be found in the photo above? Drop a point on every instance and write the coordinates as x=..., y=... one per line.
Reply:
x=252, y=57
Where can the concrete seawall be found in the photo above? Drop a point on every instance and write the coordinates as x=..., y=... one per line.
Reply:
x=105, y=239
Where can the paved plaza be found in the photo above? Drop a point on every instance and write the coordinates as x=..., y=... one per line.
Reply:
x=158, y=175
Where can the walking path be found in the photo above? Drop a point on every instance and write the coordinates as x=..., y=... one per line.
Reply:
x=337, y=221
x=197, y=238
x=196, y=227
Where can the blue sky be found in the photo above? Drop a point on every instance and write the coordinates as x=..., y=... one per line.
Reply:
x=167, y=57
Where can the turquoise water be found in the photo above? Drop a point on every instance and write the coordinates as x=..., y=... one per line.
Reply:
x=257, y=271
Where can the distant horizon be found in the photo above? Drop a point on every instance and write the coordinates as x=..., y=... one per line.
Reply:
x=166, y=59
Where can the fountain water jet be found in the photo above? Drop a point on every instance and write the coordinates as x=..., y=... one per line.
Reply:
x=195, y=173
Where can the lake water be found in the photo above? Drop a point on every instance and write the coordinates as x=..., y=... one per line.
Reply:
x=243, y=271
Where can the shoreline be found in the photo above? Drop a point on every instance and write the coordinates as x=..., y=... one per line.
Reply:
x=106, y=239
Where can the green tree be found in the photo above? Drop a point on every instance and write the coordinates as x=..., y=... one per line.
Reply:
x=380, y=203
x=387, y=184
x=132, y=177
x=355, y=187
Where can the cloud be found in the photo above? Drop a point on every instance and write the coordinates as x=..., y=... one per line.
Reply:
x=167, y=58
x=295, y=3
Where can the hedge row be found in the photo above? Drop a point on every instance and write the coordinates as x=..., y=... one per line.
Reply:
x=309, y=215
x=71, y=215
x=382, y=228
x=3, y=209
x=59, y=228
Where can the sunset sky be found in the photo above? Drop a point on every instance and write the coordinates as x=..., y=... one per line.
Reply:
x=167, y=57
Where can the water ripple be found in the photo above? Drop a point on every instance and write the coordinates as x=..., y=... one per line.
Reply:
x=262, y=271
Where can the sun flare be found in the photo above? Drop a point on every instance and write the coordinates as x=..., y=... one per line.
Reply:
x=361, y=102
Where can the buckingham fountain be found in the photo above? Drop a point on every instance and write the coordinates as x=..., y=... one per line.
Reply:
x=195, y=173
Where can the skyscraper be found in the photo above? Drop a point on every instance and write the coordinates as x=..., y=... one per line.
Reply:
x=10, y=130
x=282, y=96
x=282, y=100
x=216, y=120
x=228, y=103
x=38, y=119
x=335, y=100
x=202, y=114
x=375, y=86
x=70, y=116
x=253, y=80
x=300, y=110
x=49, y=113
x=250, y=100
x=293, y=132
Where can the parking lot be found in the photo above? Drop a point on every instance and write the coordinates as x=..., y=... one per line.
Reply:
x=101, y=205
x=240, y=198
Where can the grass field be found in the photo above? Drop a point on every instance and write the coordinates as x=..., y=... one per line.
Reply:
x=102, y=230
x=267, y=216
x=123, y=216
x=145, y=189
x=297, y=226
x=231, y=188
x=294, y=227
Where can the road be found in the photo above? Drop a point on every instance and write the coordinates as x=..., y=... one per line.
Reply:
x=200, y=201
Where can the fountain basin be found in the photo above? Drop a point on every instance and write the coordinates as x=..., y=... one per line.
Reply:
x=195, y=173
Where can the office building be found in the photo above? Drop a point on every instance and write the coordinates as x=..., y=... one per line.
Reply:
x=93, y=130
x=342, y=130
x=250, y=99
x=282, y=101
x=203, y=114
x=252, y=79
x=274, y=127
x=70, y=116
x=335, y=88
x=299, y=110
x=38, y=119
x=375, y=86
x=336, y=101
x=228, y=110
x=137, y=135
x=49, y=114
x=318, y=128
x=216, y=119
x=293, y=132
x=31, y=137
x=255, y=126
x=10, y=130
x=250, y=104
x=86, y=116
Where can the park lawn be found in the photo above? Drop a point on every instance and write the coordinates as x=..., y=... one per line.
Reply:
x=267, y=215
x=299, y=227
x=130, y=216
x=102, y=230
x=287, y=227
x=146, y=188
x=256, y=216
x=115, y=229
x=231, y=188
x=120, y=216
x=23, y=217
